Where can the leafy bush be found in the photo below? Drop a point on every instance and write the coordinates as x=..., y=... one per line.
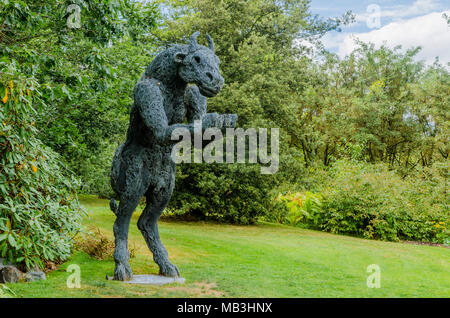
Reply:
x=39, y=210
x=96, y=244
x=372, y=202
x=230, y=193
x=300, y=206
x=94, y=173
x=233, y=193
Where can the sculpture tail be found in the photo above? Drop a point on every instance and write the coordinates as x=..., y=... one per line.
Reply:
x=113, y=206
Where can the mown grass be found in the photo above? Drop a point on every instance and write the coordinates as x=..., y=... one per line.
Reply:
x=264, y=260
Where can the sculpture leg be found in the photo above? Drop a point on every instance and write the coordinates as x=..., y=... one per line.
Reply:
x=148, y=225
x=125, y=210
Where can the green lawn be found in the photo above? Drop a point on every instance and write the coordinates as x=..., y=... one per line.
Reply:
x=255, y=261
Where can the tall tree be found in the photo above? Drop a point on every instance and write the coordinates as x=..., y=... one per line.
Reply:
x=86, y=56
x=266, y=69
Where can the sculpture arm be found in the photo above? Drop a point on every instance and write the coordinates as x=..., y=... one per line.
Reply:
x=149, y=102
x=195, y=104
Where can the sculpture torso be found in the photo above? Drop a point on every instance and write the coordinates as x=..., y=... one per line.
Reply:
x=161, y=74
x=175, y=110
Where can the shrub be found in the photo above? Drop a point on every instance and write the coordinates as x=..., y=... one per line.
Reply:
x=301, y=206
x=97, y=245
x=229, y=193
x=372, y=202
x=233, y=193
x=95, y=173
x=39, y=210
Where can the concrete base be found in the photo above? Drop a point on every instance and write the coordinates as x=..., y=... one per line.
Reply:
x=154, y=280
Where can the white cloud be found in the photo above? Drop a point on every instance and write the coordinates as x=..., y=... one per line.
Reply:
x=419, y=7
x=429, y=31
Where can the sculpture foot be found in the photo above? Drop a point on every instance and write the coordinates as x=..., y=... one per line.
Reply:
x=123, y=272
x=169, y=270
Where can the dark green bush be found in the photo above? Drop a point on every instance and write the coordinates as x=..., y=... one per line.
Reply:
x=230, y=193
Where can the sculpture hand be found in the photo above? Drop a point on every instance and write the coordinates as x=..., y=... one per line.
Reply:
x=212, y=120
x=229, y=120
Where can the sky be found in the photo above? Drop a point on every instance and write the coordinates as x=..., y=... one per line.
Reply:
x=409, y=23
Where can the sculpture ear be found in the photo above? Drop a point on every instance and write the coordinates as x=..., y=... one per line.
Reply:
x=179, y=57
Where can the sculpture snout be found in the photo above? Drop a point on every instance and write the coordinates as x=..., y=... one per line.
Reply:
x=214, y=83
x=217, y=82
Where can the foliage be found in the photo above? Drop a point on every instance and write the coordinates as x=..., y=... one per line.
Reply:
x=96, y=244
x=264, y=74
x=86, y=74
x=373, y=202
x=87, y=129
x=376, y=105
x=301, y=206
x=263, y=65
x=39, y=211
x=231, y=193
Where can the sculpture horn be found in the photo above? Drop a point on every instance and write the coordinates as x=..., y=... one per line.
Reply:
x=210, y=43
x=193, y=41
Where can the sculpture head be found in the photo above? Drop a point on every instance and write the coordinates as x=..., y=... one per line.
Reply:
x=200, y=66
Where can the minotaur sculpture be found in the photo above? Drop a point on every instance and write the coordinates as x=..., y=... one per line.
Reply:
x=143, y=164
